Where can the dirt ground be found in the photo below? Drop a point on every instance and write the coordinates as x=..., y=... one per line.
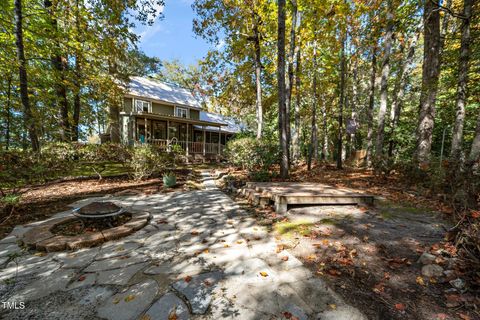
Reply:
x=370, y=255
x=40, y=202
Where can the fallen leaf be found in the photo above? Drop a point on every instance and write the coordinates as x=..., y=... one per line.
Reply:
x=40, y=254
x=285, y=258
x=453, y=300
x=194, y=233
x=145, y=317
x=333, y=306
x=464, y=316
x=379, y=288
x=441, y=316
x=325, y=242
x=263, y=274
x=116, y=300
x=334, y=272
x=81, y=278
x=311, y=257
x=129, y=298
x=280, y=248
x=226, y=245
x=400, y=306
x=205, y=251
x=420, y=281
x=475, y=214
x=187, y=279
x=173, y=315
x=239, y=241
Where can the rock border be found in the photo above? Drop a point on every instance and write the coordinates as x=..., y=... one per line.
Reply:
x=41, y=238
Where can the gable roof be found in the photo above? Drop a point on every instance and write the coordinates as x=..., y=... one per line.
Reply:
x=157, y=90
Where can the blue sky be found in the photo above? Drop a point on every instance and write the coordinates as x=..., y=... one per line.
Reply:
x=172, y=37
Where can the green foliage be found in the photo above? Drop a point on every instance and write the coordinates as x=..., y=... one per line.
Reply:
x=19, y=168
x=147, y=161
x=257, y=156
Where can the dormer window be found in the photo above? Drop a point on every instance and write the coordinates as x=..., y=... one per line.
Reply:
x=181, y=112
x=142, y=106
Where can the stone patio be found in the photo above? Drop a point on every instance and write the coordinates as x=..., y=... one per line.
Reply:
x=200, y=257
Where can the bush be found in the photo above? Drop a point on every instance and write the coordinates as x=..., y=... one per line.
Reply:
x=19, y=168
x=257, y=156
x=147, y=160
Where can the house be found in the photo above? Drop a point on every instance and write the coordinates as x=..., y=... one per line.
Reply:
x=163, y=114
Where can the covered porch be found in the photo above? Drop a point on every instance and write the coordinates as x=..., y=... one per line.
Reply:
x=193, y=136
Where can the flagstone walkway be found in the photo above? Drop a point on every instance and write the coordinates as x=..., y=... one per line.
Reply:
x=200, y=257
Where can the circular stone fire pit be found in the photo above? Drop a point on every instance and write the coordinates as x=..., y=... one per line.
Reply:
x=88, y=226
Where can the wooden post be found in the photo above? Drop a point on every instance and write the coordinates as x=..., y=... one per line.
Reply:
x=219, y=140
x=204, y=139
x=186, y=147
x=146, y=131
x=168, y=130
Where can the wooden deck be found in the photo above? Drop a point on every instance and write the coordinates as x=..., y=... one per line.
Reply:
x=284, y=194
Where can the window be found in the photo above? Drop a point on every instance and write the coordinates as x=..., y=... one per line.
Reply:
x=181, y=112
x=142, y=106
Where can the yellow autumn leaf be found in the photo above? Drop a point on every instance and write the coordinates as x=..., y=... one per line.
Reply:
x=420, y=281
x=116, y=300
x=226, y=245
x=129, y=298
x=333, y=306
x=263, y=274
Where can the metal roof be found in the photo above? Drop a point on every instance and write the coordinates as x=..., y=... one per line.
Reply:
x=232, y=125
x=157, y=90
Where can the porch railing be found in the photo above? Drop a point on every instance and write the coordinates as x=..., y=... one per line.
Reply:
x=193, y=147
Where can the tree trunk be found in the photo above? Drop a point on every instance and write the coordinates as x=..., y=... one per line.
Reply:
x=325, y=131
x=22, y=71
x=340, y=104
x=371, y=103
x=258, y=74
x=76, y=99
x=457, y=137
x=282, y=116
x=77, y=81
x=313, y=146
x=430, y=76
x=399, y=89
x=384, y=83
x=355, y=104
x=113, y=110
x=8, y=110
x=289, y=83
x=60, y=65
x=296, y=133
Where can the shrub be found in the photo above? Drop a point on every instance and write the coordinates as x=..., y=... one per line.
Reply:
x=257, y=156
x=147, y=160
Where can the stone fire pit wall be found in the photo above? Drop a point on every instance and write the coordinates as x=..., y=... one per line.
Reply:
x=41, y=238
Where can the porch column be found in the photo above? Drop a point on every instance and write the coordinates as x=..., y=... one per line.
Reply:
x=146, y=131
x=168, y=130
x=219, y=138
x=186, y=142
x=204, y=138
x=134, y=121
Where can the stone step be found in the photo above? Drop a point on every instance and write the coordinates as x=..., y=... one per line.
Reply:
x=255, y=197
